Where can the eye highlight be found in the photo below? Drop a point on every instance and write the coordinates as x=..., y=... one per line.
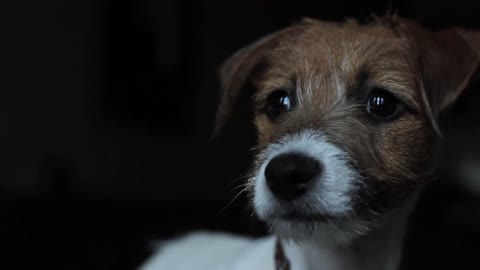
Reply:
x=382, y=105
x=278, y=103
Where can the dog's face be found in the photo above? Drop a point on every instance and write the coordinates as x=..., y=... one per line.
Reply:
x=345, y=115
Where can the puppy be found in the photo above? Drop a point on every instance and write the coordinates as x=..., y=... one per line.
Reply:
x=347, y=119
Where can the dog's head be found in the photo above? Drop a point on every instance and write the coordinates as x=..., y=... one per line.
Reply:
x=346, y=114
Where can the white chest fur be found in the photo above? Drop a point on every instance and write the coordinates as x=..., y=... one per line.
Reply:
x=213, y=251
x=380, y=249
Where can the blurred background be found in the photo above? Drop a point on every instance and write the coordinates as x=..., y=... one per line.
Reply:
x=106, y=112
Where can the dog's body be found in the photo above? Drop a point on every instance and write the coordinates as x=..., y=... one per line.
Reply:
x=346, y=116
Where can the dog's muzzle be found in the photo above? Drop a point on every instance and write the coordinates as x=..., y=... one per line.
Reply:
x=304, y=176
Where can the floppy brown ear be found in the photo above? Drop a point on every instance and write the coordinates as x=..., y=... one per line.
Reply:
x=448, y=60
x=236, y=70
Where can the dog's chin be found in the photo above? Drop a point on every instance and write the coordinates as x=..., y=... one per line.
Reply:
x=332, y=229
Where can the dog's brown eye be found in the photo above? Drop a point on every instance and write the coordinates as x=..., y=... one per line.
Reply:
x=278, y=102
x=381, y=104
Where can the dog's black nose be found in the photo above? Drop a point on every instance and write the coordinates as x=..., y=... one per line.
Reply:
x=289, y=175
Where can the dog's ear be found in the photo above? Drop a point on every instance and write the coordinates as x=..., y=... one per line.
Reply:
x=237, y=70
x=448, y=60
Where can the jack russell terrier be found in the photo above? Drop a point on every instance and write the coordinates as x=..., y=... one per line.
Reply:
x=347, y=119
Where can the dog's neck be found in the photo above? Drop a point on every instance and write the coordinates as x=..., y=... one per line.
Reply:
x=379, y=249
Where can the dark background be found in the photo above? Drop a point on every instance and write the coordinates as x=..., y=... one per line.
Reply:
x=106, y=109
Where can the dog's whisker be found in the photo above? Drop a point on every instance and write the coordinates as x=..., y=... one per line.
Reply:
x=244, y=185
x=242, y=177
x=233, y=200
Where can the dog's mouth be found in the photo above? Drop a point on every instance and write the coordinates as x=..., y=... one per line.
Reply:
x=296, y=225
x=295, y=215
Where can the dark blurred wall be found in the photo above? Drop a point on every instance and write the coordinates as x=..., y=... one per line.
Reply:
x=127, y=90
x=45, y=55
x=106, y=112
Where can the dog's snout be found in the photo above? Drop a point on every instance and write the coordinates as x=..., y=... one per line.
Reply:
x=289, y=175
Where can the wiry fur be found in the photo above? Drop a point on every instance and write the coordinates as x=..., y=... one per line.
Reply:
x=330, y=68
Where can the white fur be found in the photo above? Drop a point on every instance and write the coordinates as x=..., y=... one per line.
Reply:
x=330, y=195
x=380, y=249
x=213, y=251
